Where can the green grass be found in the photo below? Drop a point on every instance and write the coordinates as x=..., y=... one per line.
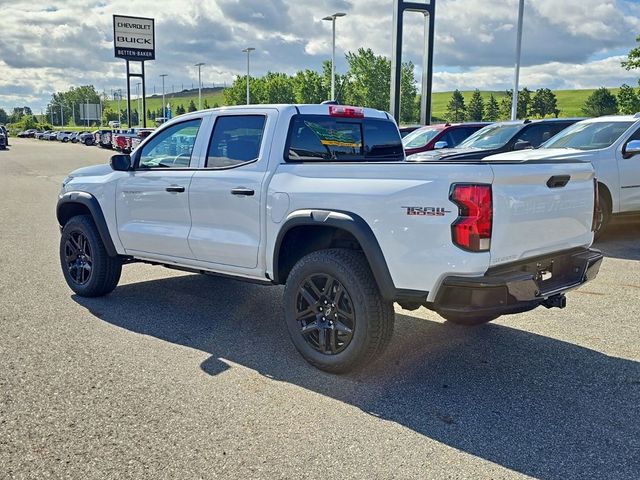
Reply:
x=570, y=102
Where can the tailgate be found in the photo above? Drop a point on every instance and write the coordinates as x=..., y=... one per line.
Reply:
x=536, y=213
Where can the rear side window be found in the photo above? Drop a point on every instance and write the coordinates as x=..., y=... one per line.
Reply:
x=236, y=140
x=330, y=139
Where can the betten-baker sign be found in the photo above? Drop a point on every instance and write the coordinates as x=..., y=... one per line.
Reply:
x=134, y=38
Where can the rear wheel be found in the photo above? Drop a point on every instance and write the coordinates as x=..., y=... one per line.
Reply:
x=86, y=265
x=334, y=312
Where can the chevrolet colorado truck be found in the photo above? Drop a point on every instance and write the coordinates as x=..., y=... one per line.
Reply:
x=319, y=198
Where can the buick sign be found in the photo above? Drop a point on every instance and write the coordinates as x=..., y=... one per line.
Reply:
x=134, y=38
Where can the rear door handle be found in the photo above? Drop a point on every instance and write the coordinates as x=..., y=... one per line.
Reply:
x=247, y=192
x=175, y=189
x=558, y=181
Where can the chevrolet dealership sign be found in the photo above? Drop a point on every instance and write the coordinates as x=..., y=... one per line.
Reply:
x=134, y=38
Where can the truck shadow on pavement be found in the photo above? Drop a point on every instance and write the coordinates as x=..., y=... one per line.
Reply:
x=621, y=239
x=533, y=404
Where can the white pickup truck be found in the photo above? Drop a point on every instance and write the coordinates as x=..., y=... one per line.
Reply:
x=320, y=198
x=612, y=145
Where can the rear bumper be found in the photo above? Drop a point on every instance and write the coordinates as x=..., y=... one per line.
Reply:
x=518, y=287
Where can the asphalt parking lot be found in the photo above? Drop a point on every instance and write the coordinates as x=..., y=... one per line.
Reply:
x=184, y=376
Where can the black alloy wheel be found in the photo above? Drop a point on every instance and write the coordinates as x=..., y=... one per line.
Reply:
x=325, y=313
x=78, y=257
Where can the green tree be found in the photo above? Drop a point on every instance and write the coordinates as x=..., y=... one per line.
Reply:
x=544, y=103
x=524, y=103
x=342, y=83
x=180, y=110
x=205, y=104
x=4, y=118
x=71, y=101
x=493, y=109
x=633, y=58
x=456, y=110
x=369, y=77
x=309, y=87
x=409, y=108
x=192, y=106
x=475, y=110
x=601, y=102
x=277, y=88
x=505, y=105
x=628, y=101
x=236, y=94
x=215, y=105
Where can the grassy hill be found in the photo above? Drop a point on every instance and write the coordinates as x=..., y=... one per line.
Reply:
x=154, y=102
x=570, y=102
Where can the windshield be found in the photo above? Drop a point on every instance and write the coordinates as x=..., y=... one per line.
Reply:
x=589, y=136
x=419, y=138
x=491, y=136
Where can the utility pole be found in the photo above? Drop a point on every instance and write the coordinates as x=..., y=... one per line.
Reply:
x=199, y=65
x=248, y=51
x=516, y=80
x=164, y=112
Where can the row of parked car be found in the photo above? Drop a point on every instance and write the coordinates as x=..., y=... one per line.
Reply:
x=121, y=140
x=611, y=144
x=61, y=136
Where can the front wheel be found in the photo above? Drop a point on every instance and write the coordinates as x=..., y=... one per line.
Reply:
x=86, y=265
x=334, y=312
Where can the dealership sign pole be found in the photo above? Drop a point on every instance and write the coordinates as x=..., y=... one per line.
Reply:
x=134, y=40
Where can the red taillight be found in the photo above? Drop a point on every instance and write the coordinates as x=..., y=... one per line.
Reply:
x=472, y=230
x=346, y=111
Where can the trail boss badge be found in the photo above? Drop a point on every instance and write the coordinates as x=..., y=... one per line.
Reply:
x=426, y=211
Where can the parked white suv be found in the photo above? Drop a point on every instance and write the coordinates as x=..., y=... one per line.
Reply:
x=320, y=198
x=612, y=145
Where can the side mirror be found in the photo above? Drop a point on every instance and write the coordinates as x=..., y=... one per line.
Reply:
x=522, y=145
x=120, y=163
x=630, y=149
x=440, y=145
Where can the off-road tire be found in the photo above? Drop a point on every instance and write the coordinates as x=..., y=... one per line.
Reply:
x=374, y=316
x=105, y=270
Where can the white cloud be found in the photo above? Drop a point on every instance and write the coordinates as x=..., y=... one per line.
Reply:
x=47, y=48
x=554, y=75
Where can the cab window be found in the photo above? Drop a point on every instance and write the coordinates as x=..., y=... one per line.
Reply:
x=172, y=147
x=236, y=139
x=328, y=139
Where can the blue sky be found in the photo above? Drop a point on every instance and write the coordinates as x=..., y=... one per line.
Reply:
x=48, y=46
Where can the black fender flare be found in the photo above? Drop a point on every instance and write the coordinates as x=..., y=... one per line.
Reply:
x=91, y=203
x=361, y=231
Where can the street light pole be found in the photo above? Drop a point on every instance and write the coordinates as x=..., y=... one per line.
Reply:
x=138, y=94
x=119, y=92
x=248, y=51
x=199, y=65
x=332, y=19
x=164, y=112
x=516, y=80
x=61, y=114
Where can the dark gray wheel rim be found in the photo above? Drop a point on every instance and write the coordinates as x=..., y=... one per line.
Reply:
x=78, y=257
x=325, y=314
